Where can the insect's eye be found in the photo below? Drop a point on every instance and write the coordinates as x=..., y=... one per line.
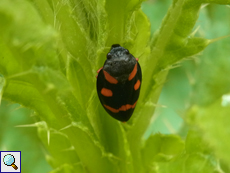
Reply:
x=109, y=55
x=126, y=51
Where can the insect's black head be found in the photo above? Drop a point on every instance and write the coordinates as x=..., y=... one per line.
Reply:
x=117, y=51
x=119, y=63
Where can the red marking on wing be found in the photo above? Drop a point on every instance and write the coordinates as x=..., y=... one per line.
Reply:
x=133, y=73
x=111, y=109
x=137, y=85
x=106, y=92
x=110, y=78
x=99, y=71
x=122, y=108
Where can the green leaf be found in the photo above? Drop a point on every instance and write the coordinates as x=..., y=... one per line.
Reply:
x=195, y=143
x=160, y=148
x=188, y=163
x=87, y=146
x=138, y=32
x=22, y=92
x=68, y=168
x=224, y=2
x=213, y=122
x=19, y=133
x=26, y=43
x=80, y=81
x=111, y=135
x=61, y=154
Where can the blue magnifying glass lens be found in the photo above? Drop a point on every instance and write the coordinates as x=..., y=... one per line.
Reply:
x=8, y=160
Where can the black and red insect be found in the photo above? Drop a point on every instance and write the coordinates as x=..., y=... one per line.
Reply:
x=119, y=83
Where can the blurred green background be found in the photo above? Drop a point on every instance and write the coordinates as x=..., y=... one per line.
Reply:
x=187, y=84
x=193, y=82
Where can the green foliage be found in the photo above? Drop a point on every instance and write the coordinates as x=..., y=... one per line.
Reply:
x=50, y=52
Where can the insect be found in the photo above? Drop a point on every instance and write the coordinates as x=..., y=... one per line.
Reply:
x=119, y=83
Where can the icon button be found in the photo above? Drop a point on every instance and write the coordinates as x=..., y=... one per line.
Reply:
x=10, y=161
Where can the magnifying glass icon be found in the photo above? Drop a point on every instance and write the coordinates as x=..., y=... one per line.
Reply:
x=9, y=160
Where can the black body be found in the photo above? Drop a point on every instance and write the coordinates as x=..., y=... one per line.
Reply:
x=119, y=64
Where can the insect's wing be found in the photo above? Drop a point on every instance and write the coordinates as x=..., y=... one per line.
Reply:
x=119, y=100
